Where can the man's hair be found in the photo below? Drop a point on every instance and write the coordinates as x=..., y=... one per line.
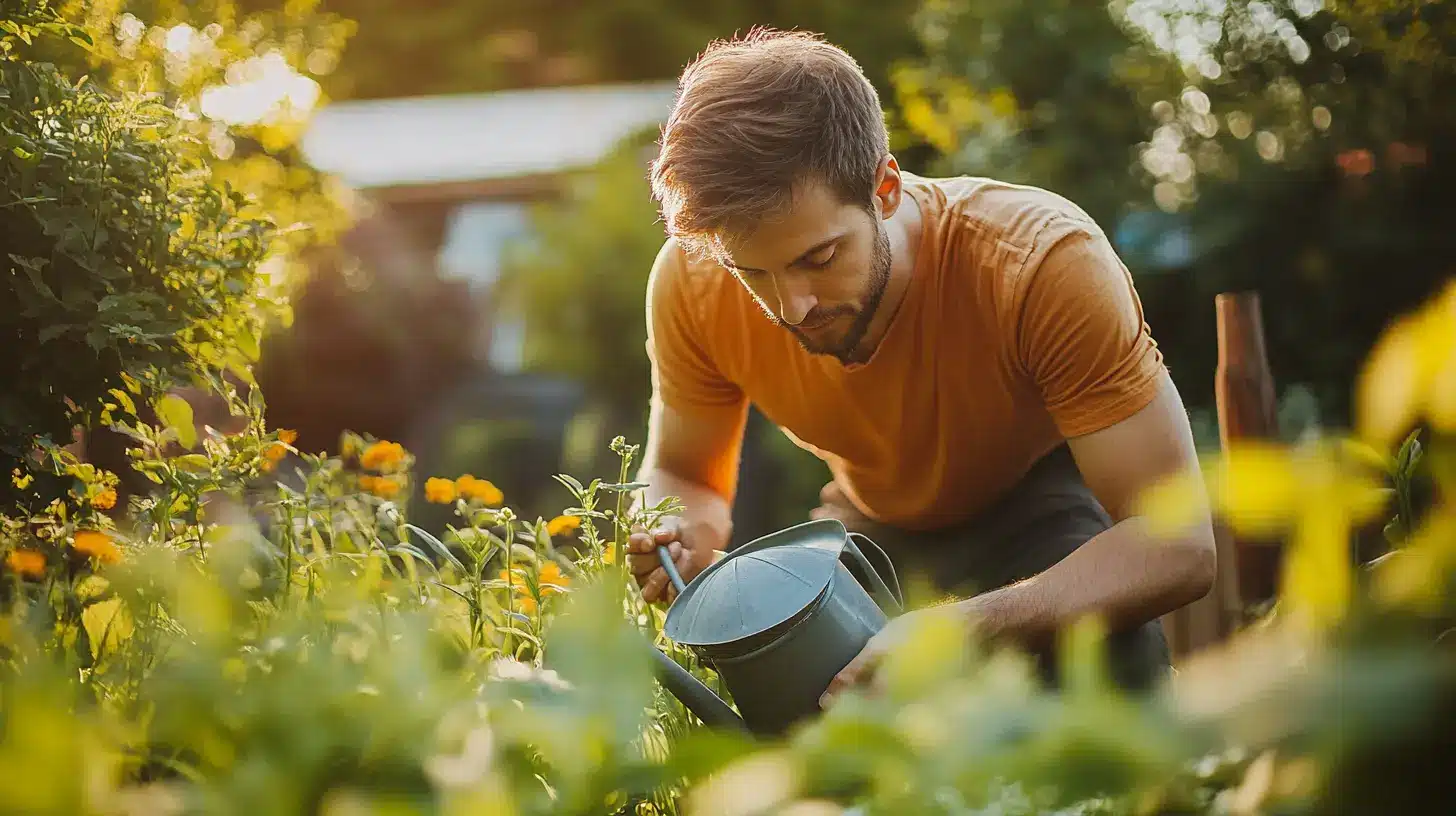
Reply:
x=755, y=117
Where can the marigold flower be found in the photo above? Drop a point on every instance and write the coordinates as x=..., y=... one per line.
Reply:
x=97, y=545
x=381, y=486
x=562, y=525
x=26, y=563
x=439, y=491
x=550, y=580
x=383, y=456
x=479, y=489
x=105, y=500
x=286, y=436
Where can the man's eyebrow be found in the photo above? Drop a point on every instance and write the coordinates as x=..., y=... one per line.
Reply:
x=813, y=250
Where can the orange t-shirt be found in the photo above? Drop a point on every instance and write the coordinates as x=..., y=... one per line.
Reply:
x=1020, y=328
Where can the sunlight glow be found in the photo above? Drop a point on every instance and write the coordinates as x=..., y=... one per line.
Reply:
x=259, y=89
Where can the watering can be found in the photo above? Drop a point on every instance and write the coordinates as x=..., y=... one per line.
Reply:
x=777, y=619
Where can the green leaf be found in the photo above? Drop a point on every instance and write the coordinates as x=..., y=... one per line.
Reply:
x=176, y=414
x=248, y=344
x=123, y=398
x=108, y=624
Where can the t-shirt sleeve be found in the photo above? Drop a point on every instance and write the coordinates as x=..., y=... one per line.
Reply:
x=1080, y=332
x=684, y=374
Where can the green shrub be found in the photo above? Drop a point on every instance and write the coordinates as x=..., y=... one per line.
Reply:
x=124, y=264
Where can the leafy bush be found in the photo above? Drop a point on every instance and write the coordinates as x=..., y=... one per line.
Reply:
x=125, y=264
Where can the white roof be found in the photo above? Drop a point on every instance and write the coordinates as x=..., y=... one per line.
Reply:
x=471, y=137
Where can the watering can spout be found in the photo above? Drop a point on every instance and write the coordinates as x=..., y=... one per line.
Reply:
x=698, y=698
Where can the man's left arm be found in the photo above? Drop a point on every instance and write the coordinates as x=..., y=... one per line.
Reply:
x=1127, y=574
x=1081, y=339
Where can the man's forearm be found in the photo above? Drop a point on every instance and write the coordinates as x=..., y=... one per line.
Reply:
x=1123, y=575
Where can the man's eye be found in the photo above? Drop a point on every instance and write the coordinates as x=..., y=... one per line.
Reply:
x=821, y=260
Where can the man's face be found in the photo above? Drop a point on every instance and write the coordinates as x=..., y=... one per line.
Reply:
x=819, y=272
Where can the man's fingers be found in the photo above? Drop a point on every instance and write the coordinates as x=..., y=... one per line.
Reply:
x=652, y=589
x=849, y=676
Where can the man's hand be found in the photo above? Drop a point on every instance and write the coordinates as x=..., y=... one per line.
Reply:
x=863, y=671
x=690, y=554
x=834, y=504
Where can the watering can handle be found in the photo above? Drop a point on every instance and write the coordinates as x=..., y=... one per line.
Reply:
x=887, y=599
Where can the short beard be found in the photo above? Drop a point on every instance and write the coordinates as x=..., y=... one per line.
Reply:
x=847, y=349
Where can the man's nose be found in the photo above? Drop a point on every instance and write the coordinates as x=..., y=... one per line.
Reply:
x=795, y=298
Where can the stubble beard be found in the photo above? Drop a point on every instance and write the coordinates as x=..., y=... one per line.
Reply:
x=847, y=349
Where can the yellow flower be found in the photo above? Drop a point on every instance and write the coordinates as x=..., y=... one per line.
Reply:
x=105, y=500
x=97, y=545
x=381, y=486
x=1410, y=374
x=383, y=456
x=562, y=525
x=439, y=491
x=550, y=580
x=26, y=563
x=21, y=480
x=479, y=489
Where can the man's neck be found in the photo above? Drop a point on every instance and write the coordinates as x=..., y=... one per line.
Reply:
x=905, y=228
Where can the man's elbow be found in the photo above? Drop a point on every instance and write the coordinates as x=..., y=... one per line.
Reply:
x=1197, y=566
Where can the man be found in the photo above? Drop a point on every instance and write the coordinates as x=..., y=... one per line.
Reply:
x=969, y=358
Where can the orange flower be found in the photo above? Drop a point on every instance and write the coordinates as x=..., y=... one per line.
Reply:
x=381, y=486
x=550, y=580
x=105, y=500
x=286, y=436
x=480, y=489
x=562, y=525
x=439, y=491
x=26, y=563
x=97, y=545
x=383, y=456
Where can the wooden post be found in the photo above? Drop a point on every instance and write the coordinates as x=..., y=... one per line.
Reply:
x=1244, y=391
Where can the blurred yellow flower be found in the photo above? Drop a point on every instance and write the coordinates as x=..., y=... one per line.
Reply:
x=287, y=436
x=1264, y=490
x=21, y=480
x=97, y=545
x=550, y=580
x=381, y=486
x=26, y=563
x=105, y=500
x=479, y=489
x=383, y=456
x=1410, y=375
x=439, y=491
x=562, y=525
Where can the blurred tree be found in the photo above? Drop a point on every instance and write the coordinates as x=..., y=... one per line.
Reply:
x=1289, y=155
x=445, y=47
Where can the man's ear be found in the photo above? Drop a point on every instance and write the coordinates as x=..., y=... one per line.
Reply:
x=888, y=188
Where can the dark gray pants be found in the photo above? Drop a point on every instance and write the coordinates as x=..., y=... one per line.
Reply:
x=1046, y=516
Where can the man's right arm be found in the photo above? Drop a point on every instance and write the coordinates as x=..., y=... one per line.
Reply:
x=694, y=438
x=693, y=458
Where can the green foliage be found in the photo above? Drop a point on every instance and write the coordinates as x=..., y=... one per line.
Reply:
x=125, y=262
x=1295, y=150
x=464, y=47
x=581, y=282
